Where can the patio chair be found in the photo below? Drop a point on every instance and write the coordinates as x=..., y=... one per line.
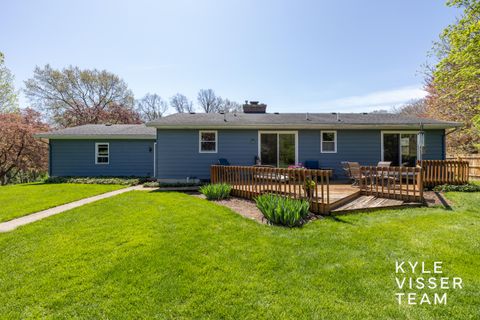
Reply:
x=223, y=162
x=345, y=168
x=354, y=172
x=312, y=164
x=393, y=177
x=384, y=164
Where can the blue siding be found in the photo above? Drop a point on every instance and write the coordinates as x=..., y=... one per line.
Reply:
x=77, y=158
x=352, y=145
x=178, y=156
x=434, y=145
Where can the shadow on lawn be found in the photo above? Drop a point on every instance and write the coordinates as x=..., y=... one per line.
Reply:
x=338, y=219
x=443, y=201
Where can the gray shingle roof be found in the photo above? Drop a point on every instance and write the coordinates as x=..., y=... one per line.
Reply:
x=95, y=131
x=296, y=121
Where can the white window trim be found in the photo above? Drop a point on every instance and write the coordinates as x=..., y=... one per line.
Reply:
x=96, y=152
x=200, y=141
x=398, y=132
x=334, y=141
x=278, y=149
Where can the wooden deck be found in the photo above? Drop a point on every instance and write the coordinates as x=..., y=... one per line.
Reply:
x=343, y=198
x=338, y=194
x=384, y=187
x=367, y=203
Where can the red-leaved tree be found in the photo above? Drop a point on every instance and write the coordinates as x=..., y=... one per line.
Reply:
x=20, y=152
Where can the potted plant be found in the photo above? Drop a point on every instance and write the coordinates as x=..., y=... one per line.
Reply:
x=309, y=187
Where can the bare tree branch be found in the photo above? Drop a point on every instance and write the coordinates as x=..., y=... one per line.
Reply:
x=151, y=107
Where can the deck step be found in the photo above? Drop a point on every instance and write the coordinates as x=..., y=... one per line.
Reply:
x=345, y=198
x=367, y=203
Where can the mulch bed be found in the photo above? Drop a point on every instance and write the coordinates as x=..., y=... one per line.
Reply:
x=248, y=208
x=244, y=207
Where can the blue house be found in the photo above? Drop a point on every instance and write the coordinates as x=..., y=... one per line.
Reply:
x=183, y=146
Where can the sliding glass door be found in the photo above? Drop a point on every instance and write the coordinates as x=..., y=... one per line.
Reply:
x=400, y=148
x=278, y=148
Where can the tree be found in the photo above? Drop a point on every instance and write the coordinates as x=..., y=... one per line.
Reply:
x=453, y=84
x=8, y=95
x=209, y=102
x=230, y=106
x=151, y=107
x=181, y=104
x=73, y=96
x=20, y=152
x=416, y=108
x=113, y=113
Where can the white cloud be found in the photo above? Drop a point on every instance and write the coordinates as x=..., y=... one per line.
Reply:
x=372, y=101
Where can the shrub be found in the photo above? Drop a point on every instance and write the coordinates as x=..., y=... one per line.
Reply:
x=97, y=180
x=151, y=184
x=458, y=188
x=217, y=191
x=283, y=211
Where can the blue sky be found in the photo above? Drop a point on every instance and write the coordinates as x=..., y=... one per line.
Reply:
x=296, y=56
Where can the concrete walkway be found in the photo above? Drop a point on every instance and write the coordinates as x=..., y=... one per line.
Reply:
x=13, y=224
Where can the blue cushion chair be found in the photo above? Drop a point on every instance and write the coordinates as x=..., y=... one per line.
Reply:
x=311, y=164
x=223, y=162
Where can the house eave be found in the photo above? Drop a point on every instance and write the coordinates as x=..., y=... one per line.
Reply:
x=414, y=126
x=94, y=137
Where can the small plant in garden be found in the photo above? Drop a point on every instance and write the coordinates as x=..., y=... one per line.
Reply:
x=458, y=188
x=217, y=191
x=309, y=186
x=283, y=211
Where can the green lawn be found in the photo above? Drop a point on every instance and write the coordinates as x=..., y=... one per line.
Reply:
x=170, y=255
x=22, y=199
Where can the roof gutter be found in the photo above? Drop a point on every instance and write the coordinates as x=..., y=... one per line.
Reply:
x=413, y=126
x=452, y=131
x=93, y=137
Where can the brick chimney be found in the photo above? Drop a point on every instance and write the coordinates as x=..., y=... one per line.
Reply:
x=254, y=107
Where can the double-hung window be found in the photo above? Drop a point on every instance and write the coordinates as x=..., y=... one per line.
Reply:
x=102, y=153
x=328, y=142
x=207, y=141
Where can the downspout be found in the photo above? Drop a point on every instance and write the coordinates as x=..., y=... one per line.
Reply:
x=49, y=158
x=154, y=159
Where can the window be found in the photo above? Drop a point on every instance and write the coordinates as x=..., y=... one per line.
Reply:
x=207, y=142
x=401, y=148
x=102, y=151
x=278, y=149
x=328, y=141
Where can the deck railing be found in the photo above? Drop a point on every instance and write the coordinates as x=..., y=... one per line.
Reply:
x=437, y=172
x=402, y=183
x=249, y=182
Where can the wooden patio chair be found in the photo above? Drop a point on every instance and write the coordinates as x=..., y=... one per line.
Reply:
x=354, y=172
